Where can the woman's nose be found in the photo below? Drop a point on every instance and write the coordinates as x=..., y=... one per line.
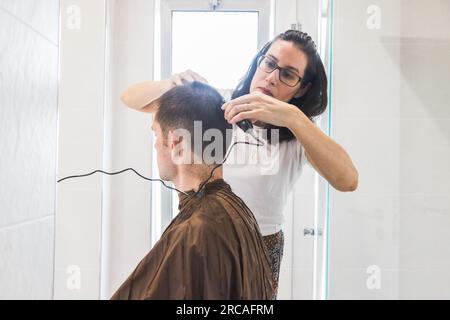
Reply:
x=273, y=77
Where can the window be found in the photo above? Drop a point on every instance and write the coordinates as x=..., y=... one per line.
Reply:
x=217, y=45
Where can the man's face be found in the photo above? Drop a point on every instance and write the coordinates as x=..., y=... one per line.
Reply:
x=167, y=169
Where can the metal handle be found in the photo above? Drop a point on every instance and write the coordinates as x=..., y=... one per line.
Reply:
x=311, y=231
x=214, y=4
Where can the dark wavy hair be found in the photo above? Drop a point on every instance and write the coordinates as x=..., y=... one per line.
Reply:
x=314, y=102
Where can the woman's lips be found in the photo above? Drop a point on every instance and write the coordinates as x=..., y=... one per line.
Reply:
x=265, y=91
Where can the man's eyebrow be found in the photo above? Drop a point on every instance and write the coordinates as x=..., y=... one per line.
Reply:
x=288, y=67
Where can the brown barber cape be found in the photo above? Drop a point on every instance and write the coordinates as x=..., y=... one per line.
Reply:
x=212, y=249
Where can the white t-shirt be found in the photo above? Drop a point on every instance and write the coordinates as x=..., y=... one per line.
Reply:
x=264, y=176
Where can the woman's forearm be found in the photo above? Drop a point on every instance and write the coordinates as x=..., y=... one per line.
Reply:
x=331, y=160
x=140, y=95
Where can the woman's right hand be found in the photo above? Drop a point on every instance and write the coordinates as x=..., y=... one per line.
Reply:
x=179, y=79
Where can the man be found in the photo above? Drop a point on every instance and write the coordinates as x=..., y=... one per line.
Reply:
x=213, y=248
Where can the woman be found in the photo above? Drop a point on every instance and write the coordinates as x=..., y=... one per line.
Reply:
x=284, y=89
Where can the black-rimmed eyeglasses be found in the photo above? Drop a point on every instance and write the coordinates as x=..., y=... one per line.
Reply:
x=287, y=76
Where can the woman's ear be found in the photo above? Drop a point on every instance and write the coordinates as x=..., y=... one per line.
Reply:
x=302, y=91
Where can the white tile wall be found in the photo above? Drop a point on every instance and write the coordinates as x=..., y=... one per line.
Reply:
x=28, y=116
x=351, y=283
x=424, y=258
x=28, y=124
x=40, y=15
x=27, y=260
x=390, y=111
x=424, y=283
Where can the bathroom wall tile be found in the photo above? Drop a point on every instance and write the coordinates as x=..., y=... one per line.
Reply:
x=365, y=231
x=365, y=71
x=423, y=72
x=372, y=145
x=424, y=232
x=424, y=156
x=28, y=122
x=356, y=284
x=40, y=15
x=26, y=264
x=390, y=112
x=424, y=284
x=360, y=93
x=350, y=15
x=414, y=13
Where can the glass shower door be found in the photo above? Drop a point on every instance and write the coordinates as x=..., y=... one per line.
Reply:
x=390, y=111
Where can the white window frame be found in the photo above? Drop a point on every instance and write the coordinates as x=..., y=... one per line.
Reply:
x=168, y=6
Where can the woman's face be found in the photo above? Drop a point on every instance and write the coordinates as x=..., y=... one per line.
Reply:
x=286, y=55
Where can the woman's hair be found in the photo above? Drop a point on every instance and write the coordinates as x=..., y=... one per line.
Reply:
x=314, y=102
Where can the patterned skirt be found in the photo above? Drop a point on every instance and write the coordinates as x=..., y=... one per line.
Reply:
x=275, y=244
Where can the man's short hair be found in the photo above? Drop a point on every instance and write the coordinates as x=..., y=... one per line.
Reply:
x=183, y=105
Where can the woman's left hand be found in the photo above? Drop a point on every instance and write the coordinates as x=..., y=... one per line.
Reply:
x=257, y=106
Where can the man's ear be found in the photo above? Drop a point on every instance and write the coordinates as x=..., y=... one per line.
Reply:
x=174, y=139
x=176, y=142
x=302, y=91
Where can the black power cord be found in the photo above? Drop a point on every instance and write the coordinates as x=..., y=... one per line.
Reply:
x=225, y=159
x=114, y=173
x=259, y=144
